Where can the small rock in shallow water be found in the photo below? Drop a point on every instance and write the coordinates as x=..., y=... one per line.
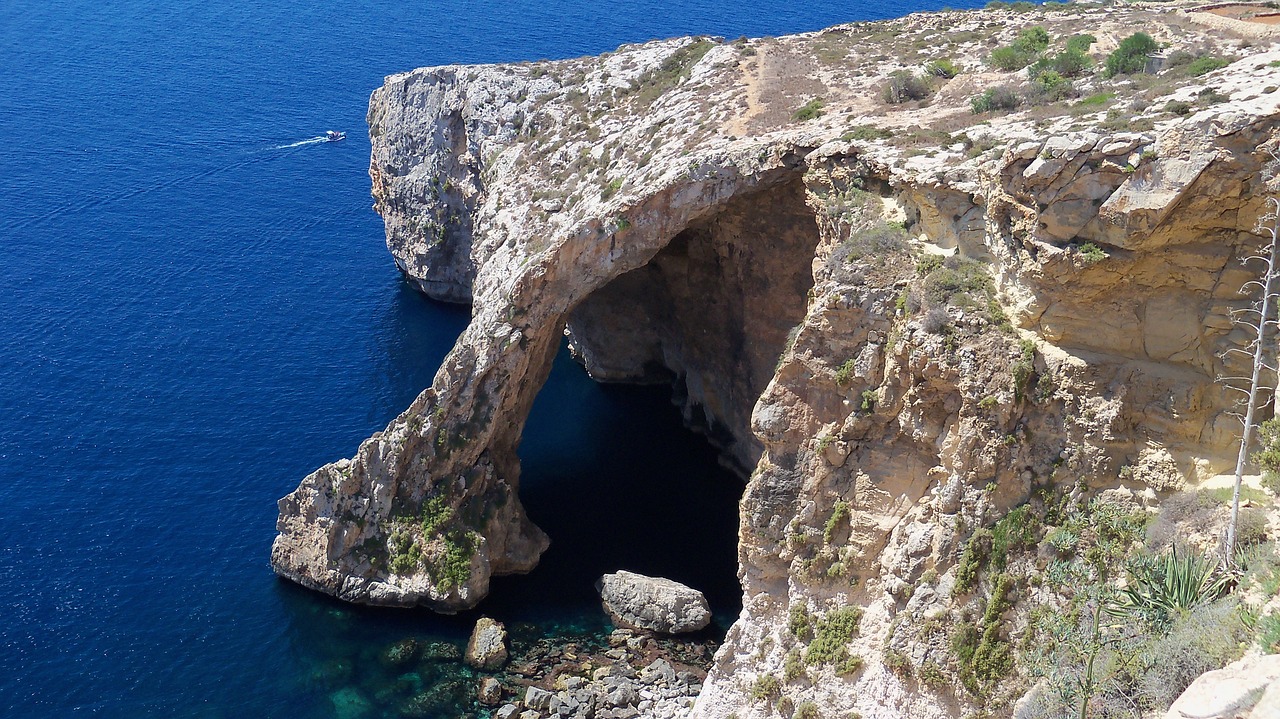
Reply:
x=488, y=646
x=489, y=691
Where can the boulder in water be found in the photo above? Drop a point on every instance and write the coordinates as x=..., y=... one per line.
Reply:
x=634, y=601
x=488, y=646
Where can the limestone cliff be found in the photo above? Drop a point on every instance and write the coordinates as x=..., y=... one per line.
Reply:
x=900, y=319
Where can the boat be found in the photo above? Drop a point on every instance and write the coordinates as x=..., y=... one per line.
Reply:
x=334, y=136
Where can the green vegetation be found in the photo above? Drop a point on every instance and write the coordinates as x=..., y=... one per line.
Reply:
x=1164, y=587
x=1023, y=368
x=899, y=663
x=840, y=514
x=1097, y=99
x=1001, y=97
x=765, y=687
x=1051, y=86
x=1131, y=56
x=1268, y=455
x=904, y=86
x=870, y=398
x=1080, y=43
x=611, y=187
x=845, y=373
x=806, y=710
x=867, y=132
x=1091, y=253
x=831, y=634
x=1022, y=51
x=1205, y=65
x=672, y=71
x=873, y=246
x=800, y=622
x=809, y=111
x=944, y=68
x=957, y=276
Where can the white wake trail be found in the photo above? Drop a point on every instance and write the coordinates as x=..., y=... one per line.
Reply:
x=300, y=143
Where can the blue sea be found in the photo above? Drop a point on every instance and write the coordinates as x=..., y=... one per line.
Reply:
x=197, y=309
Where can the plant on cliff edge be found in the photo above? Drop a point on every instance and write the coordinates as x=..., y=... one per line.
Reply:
x=1258, y=320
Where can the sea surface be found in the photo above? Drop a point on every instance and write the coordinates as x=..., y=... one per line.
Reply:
x=197, y=309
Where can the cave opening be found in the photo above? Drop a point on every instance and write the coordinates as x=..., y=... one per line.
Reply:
x=639, y=462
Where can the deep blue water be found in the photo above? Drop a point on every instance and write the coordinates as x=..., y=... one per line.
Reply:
x=193, y=317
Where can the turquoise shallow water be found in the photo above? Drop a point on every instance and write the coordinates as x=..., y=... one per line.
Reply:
x=195, y=316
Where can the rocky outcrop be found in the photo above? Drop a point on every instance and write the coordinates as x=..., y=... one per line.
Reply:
x=634, y=601
x=900, y=320
x=1247, y=689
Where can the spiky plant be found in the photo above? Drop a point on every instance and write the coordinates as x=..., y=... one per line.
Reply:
x=1164, y=586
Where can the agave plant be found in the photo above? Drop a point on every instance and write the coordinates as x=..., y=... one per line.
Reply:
x=1163, y=586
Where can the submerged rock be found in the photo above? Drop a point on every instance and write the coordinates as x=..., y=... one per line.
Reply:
x=634, y=601
x=487, y=648
x=349, y=703
x=401, y=653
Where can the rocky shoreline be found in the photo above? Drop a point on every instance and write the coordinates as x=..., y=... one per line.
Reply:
x=626, y=674
x=596, y=675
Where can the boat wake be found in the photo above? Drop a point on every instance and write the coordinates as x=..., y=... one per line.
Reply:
x=300, y=143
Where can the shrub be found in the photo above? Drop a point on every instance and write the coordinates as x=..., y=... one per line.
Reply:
x=839, y=516
x=676, y=68
x=1268, y=455
x=1033, y=39
x=1002, y=97
x=1022, y=369
x=806, y=710
x=765, y=687
x=831, y=635
x=1080, y=43
x=867, y=132
x=1269, y=633
x=873, y=244
x=800, y=622
x=1205, y=65
x=792, y=667
x=1131, y=56
x=1068, y=63
x=935, y=320
x=957, y=276
x=899, y=663
x=809, y=111
x=610, y=188
x=1178, y=107
x=1009, y=59
x=1091, y=253
x=845, y=373
x=1202, y=640
x=1052, y=86
x=944, y=69
x=903, y=86
x=975, y=555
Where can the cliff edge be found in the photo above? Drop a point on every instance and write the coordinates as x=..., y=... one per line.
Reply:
x=902, y=310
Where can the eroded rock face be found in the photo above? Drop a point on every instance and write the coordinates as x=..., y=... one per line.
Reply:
x=653, y=604
x=665, y=206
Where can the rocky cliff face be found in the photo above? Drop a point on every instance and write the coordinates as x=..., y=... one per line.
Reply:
x=900, y=320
